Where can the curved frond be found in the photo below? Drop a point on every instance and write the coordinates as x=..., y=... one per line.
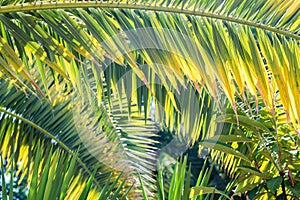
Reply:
x=207, y=38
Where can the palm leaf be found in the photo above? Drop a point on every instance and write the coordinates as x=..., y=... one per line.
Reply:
x=196, y=42
x=26, y=134
x=247, y=27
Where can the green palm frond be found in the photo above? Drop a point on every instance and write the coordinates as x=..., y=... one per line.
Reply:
x=130, y=109
x=57, y=123
x=179, y=186
x=247, y=49
x=28, y=121
x=254, y=12
x=54, y=177
x=254, y=34
x=23, y=124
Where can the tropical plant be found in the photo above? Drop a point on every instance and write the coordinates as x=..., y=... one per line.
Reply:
x=86, y=86
x=267, y=150
x=179, y=187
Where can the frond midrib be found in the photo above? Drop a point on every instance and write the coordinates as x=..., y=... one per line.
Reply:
x=43, y=131
x=36, y=6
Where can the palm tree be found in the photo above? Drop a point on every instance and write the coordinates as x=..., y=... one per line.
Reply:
x=86, y=86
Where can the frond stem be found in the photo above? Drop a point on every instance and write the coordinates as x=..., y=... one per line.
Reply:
x=43, y=131
x=36, y=6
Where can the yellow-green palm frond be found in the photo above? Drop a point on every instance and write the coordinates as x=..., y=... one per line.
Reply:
x=247, y=49
x=260, y=36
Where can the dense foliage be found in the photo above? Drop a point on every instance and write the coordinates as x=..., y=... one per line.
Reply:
x=180, y=99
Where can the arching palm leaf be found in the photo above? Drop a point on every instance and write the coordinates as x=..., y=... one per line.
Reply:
x=243, y=48
x=248, y=28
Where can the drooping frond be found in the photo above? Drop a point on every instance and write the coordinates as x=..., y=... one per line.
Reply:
x=138, y=113
x=27, y=121
x=204, y=40
x=243, y=48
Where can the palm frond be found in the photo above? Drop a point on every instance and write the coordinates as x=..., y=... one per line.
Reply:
x=184, y=44
x=22, y=129
x=179, y=186
x=254, y=34
x=130, y=109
